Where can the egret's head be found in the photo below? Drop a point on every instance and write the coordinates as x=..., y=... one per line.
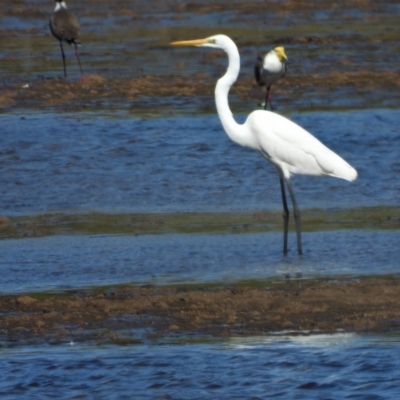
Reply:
x=280, y=52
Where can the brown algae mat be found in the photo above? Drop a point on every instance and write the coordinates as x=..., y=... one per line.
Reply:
x=126, y=315
x=340, y=55
x=154, y=94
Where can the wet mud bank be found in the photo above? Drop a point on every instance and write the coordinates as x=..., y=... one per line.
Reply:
x=168, y=95
x=150, y=313
x=340, y=55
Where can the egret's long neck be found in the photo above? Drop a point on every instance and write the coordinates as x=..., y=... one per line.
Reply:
x=232, y=128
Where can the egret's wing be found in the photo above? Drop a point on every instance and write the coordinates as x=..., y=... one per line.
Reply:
x=295, y=150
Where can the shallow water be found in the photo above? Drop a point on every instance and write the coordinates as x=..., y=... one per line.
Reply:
x=80, y=163
x=87, y=162
x=61, y=263
x=288, y=367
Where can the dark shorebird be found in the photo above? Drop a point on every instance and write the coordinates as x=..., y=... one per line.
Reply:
x=65, y=28
x=269, y=69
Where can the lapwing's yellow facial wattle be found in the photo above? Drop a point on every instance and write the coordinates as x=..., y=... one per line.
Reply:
x=280, y=51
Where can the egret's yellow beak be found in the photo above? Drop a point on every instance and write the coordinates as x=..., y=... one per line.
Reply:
x=197, y=42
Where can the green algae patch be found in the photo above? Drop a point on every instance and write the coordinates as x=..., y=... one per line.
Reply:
x=313, y=220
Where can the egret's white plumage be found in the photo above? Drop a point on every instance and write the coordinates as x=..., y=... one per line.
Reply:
x=292, y=149
x=269, y=69
x=282, y=142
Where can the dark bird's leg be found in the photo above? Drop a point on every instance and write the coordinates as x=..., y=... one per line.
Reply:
x=268, y=98
x=296, y=211
x=285, y=216
x=79, y=60
x=63, y=57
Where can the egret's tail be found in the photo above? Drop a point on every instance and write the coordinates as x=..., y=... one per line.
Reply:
x=346, y=171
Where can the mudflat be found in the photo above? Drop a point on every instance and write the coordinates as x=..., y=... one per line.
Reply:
x=147, y=313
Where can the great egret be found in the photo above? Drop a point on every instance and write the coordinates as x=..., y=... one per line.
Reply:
x=65, y=28
x=290, y=148
x=269, y=69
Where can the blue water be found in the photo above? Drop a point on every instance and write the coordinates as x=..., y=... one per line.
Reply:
x=110, y=163
x=341, y=366
x=54, y=162
x=65, y=262
x=84, y=162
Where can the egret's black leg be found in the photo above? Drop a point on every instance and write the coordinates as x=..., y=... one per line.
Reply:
x=63, y=57
x=285, y=216
x=78, y=58
x=296, y=212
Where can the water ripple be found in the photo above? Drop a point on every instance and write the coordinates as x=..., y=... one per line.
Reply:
x=327, y=366
x=75, y=162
